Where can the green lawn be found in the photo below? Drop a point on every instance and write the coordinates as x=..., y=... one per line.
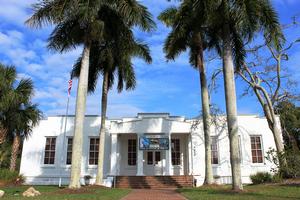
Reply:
x=265, y=192
x=53, y=193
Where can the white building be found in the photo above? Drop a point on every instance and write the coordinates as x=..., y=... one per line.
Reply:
x=151, y=144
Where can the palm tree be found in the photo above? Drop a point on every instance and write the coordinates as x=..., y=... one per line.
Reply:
x=80, y=22
x=22, y=119
x=189, y=31
x=232, y=24
x=7, y=77
x=113, y=55
x=18, y=114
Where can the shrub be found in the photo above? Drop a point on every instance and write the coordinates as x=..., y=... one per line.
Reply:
x=261, y=177
x=9, y=177
x=292, y=167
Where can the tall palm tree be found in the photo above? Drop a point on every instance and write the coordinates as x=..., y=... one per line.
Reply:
x=189, y=31
x=232, y=24
x=80, y=22
x=18, y=114
x=113, y=55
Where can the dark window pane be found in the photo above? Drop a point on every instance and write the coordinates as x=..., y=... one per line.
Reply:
x=131, y=152
x=150, y=158
x=175, y=151
x=214, y=150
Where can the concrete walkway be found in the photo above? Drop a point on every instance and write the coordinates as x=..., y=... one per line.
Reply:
x=154, y=194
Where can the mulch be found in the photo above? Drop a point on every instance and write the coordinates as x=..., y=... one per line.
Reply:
x=83, y=190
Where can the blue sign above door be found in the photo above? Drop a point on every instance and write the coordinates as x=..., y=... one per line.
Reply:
x=148, y=143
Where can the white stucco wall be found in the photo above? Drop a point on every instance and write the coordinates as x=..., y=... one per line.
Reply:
x=32, y=166
x=192, y=147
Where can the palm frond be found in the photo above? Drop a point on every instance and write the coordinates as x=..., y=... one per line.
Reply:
x=168, y=16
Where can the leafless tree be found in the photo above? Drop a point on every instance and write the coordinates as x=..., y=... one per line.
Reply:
x=267, y=78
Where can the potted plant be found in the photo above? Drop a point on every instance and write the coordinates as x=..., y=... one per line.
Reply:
x=87, y=179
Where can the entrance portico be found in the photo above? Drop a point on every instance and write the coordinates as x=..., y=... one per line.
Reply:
x=147, y=146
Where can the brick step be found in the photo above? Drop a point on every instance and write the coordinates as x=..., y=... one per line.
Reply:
x=154, y=181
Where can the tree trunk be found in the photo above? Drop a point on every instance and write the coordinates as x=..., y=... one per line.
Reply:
x=79, y=119
x=231, y=110
x=3, y=135
x=99, y=178
x=14, y=152
x=205, y=109
x=274, y=126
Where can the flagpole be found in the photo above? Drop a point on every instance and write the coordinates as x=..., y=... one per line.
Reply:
x=64, y=137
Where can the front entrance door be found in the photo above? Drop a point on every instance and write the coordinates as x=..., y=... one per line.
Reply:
x=154, y=163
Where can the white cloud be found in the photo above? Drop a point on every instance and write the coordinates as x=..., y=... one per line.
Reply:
x=15, y=11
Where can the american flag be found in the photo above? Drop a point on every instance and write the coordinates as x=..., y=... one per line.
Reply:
x=69, y=87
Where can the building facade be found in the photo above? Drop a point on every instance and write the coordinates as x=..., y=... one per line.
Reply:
x=150, y=144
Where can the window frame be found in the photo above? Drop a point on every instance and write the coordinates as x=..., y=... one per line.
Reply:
x=44, y=155
x=176, y=153
x=261, y=148
x=96, y=151
x=131, y=151
x=211, y=149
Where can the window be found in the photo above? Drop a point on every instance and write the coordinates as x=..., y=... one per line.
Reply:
x=69, y=151
x=49, y=157
x=175, y=146
x=157, y=157
x=132, y=152
x=256, y=149
x=214, y=150
x=150, y=158
x=94, y=151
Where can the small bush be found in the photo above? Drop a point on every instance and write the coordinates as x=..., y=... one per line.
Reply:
x=277, y=178
x=261, y=177
x=9, y=177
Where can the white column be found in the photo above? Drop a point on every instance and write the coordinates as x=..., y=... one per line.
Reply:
x=113, y=155
x=140, y=158
x=168, y=158
x=190, y=154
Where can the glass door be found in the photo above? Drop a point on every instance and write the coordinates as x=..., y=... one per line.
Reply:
x=154, y=162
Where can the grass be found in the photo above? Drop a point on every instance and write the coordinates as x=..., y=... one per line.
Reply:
x=55, y=193
x=265, y=192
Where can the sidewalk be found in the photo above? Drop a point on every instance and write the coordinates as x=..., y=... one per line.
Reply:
x=154, y=194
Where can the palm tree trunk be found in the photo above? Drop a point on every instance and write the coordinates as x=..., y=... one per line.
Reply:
x=99, y=178
x=3, y=134
x=231, y=110
x=14, y=152
x=205, y=109
x=79, y=119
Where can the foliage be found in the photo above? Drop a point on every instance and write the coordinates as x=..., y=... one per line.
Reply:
x=7, y=175
x=5, y=151
x=18, y=114
x=11, y=177
x=252, y=192
x=291, y=170
x=261, y=177
x=114, y=56
x=290, y=123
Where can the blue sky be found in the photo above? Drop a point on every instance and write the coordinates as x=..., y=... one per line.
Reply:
x=162, y=86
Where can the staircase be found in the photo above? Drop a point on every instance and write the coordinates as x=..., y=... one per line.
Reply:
x=154, y=181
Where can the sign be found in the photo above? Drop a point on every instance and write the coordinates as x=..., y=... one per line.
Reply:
x=150, y=143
